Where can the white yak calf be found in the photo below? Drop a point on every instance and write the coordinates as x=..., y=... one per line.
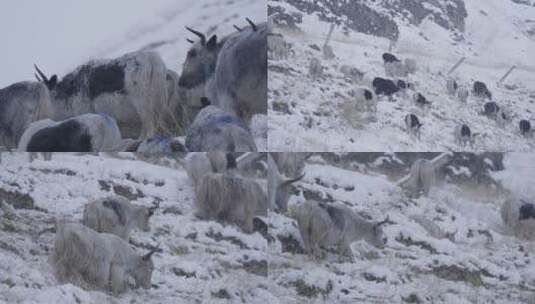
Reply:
x=99, y=261
x=116, y=215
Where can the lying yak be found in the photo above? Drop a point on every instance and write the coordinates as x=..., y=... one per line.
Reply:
x=84, y=133
x=160, y=145
x=116, y=215
x=100, y=261
x=230, y=198
x=20, y=105
x=133, y=89
x=334, y=225
x=216, y=130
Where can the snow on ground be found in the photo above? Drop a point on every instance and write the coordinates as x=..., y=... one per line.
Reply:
x=308, y=114
x=201, y=262
x=466, y=256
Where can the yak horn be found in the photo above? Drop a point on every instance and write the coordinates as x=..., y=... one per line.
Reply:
x=252, y=24
x=151, y=252
x=43, y=76
x=237, y=28
x=190, y=41
x=201, y=35
x=292, y=180
x=385, y=221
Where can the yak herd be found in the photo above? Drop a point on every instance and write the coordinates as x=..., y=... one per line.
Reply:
x=95, y=253
x=398, y=86
x=135, y=103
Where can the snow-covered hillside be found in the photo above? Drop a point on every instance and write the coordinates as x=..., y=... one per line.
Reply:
x=466, y=256
x=307, y=114
x=200, y=262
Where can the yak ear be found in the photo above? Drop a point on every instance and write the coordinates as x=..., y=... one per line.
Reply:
x=212, y=43
x=53, y=82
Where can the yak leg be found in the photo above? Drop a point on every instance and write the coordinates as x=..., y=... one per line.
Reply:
x=116, y=279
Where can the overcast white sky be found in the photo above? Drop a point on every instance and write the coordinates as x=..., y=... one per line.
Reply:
x=60, y=34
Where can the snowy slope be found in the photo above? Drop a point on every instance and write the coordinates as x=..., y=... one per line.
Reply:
x=469, y=257
x=60, y=35
x=201, y=261
x=318, y=115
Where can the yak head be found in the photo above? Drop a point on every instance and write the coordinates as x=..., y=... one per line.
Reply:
x=200, y=61
x=143, y=216
x=142, y=271
x=378, y=237
x=41, y=77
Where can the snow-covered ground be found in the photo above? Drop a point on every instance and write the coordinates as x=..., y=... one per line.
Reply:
x=308, y=114
x=469, y=257
x=201, y=261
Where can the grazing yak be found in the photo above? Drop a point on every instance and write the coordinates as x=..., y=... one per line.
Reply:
x=462, y=94
x=290, y=163
x=491, y=109
x=20, y=105
x=413, y=125
x=278, y=184
x=334, y=225
x=525, y=128
x=133, y=89
x=388, y=87
x=116, y=215
x=366, y=100
x=451, y=86
x=480, y=90
x=230, y=198
x=420, y=100
x=395, y=68
x=422, y=177
x=240, y=80
x=519, y=216
x=198, y=164
x=278, y=48
x=216, y=130
x=463, y=135
x=84, y=133
x=100, y=261
x=315, y=69
x=352, y=73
